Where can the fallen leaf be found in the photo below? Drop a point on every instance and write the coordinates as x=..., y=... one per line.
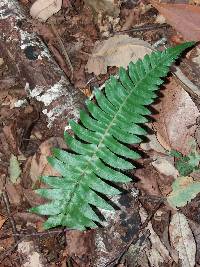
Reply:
x=32, y=198
x=2, y=221
x=109, y=53
x=80, y=243
x=188, y=15
x=182, y=240
x=14, y=193
x=157, y=254
x=165, y=166
x=175, y=123
x=14, y=169
x=1, y=61
x=44, y=9
x=184, y=189
x=39, y=164
x=152, y=144
x=108, y=7
x=30, y=254
x=148, y=180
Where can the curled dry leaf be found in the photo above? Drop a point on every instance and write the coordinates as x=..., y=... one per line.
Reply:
x=176, y=119
x=109, y=53
x=182, y=240
x=188, y=15
x=44, y=9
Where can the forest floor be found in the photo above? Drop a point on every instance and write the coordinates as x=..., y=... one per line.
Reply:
x=89, y=41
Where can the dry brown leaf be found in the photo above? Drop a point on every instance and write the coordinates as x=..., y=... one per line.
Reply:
x=39, y=164
x=14, y=193
x=182, y=240
x=152, y=144
x=158, y=255
x=30, y=254
x=44, y=9
x=148, y=180
x=108, y=7
x=165, y=166
x=117, y=51
x=183, y=17
x=2, y=221
x=176, y=119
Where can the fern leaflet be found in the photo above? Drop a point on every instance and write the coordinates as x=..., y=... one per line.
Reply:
x=101, y=153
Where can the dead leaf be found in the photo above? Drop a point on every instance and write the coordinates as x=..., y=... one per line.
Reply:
x=39, y=164
x=79, y=243
x=109, y=53
x=153, y=182
x=14, y=193
x=184, y=190
x=1, y=61
x=182, y=240
x=44, y=9
x=157, y=254
x=32, y=198
x=188, y=15
x=152, y=144
x=165, y=166
x=14, y=169
x=176, y=119
x=148, y=180
x=2, y=221
x=108, y=7
x=31, y=255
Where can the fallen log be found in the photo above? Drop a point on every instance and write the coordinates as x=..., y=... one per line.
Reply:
x=27, y=56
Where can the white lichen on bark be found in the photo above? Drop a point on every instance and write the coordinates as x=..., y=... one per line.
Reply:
x=10, y=10
x=12, y=5
x=51, y=94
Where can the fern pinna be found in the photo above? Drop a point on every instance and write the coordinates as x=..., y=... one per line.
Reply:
x=115, y=119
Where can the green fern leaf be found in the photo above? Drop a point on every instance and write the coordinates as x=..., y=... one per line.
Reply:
x=116, y=120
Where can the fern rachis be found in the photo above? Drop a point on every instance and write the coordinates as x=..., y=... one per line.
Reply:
x=115, y=119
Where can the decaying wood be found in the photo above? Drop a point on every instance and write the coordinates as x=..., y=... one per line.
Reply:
x=26, y=55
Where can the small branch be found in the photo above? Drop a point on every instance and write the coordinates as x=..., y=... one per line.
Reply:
x=9, y=215
x=145, y=28
x=64, y=51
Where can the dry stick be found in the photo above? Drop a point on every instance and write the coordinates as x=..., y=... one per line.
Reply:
x=10, y=217
x=144, y=28
x=63, y=49
x=45, y=233
x=9, y=251
x=13, y=224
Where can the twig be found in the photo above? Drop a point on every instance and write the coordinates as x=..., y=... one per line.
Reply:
x=9, y=251
x=10, y=217
x=63, y=49
x=44, y=233
x=144, y=28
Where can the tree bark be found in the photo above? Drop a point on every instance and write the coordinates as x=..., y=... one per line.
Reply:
x=26, y=55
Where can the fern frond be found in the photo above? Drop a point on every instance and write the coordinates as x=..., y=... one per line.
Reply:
x=116, y=120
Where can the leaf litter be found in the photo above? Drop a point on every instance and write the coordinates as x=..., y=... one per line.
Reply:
x=159, y=175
